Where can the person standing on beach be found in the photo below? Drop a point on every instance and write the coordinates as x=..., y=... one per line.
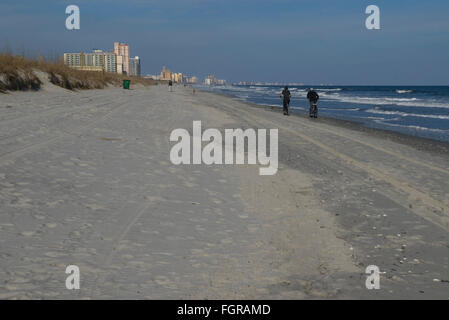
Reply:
x=170, y=85
x=286, y=101
x=313, y=97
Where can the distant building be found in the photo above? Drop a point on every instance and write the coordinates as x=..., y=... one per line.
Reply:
x=119, y=64
x=246, y=83
x=109, y=62
x=95, y=61
x=165, y=74
x=193, y=80
x=122, y=49
x=211, y=80
x=178, y=77
x=134, y=66
x=74, y=59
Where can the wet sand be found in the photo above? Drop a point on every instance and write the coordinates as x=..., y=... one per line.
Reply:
x=86, y=179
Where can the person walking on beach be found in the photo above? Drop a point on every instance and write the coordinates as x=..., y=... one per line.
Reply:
x=170, y=85
x=313, y=97
x=286, y=101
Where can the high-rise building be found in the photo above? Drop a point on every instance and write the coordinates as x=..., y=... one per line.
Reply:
x=165, y=74
x=74, y=59
x=122, y=49
x=95, y=61
x=134, y=66
x=108, y=61
x=210, y=80
x=177, y=77
x=119, y=63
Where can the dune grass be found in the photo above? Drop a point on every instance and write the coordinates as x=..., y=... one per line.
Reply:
x=19, y=73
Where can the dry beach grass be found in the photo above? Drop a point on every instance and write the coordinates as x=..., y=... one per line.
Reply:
x=20, y=74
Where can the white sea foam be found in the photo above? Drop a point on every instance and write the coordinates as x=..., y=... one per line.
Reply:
x=334, y=94
x=413, y=102
x=404, y=91
x=329, y=90
x=401, y=99
x=412, y=127
x=404, y=114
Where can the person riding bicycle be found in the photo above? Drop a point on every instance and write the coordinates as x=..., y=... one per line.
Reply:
x=313, y=97
x=286, y=102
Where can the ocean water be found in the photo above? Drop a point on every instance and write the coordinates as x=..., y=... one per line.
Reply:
x=417, y=111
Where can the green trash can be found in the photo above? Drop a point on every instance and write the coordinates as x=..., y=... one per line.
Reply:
x=126, y=84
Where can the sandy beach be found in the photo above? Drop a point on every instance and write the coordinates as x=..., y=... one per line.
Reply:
x=86, y=180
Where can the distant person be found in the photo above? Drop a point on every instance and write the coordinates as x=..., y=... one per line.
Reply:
x=286, y=101
x=313, y=97
x=170, y=85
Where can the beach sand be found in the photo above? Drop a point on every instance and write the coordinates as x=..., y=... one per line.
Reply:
x=86, y=180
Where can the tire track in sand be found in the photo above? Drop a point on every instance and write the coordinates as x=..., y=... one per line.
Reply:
x=421, y=199
x=392, y=153
x=115, y=248
x=33, y=146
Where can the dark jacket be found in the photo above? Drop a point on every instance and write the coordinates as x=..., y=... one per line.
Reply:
x=312, y=95
x=286, y=94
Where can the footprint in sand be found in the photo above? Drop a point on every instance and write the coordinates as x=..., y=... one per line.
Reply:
x=51, y=225
x=28, y=233
x=53, y=254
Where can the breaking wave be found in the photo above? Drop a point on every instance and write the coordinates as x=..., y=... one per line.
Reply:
x=405, y=114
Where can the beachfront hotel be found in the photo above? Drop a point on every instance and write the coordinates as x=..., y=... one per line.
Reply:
x=177, y=77
x=122, y=49
x=165, y=74
x=212, y=80
x=95, y=61
x=117, y=61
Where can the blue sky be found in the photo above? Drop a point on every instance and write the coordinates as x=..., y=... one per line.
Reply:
x=310, y=41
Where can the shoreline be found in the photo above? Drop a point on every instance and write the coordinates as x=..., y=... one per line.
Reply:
x=339, y=202
x=387, y=193
x=438, y=147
